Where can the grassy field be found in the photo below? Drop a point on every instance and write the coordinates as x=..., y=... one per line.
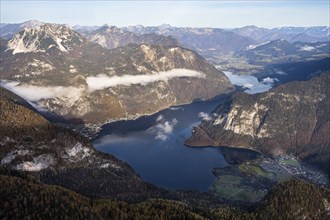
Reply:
x=252, y=169
x=230, y=187
x=249, y=182
x=229, y=179
x=292, y=162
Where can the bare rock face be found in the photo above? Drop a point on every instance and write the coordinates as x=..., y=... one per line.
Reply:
x=112, y=37
x=62, y=73
x=292, y=118
x=43, y=38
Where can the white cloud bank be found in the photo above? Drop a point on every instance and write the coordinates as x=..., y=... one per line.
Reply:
x=35, y=93
x=163, y=128
x=71, y=94
x=204, y=116
x=269, y=80
x=100, y=82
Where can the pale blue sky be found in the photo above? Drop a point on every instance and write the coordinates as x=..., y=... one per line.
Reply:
x=224, y=14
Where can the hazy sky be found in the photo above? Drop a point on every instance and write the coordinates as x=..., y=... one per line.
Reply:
x=225, y=14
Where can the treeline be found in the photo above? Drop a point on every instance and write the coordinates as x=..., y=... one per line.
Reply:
x=21, y=124
x=295, y=199
x=28, y=199
x=24, y=198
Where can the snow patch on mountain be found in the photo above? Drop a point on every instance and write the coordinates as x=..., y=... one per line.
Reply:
x=60, y=46
x=31, y=24
x=107, y=165
x=43, y=66
x=12, y=155
x=39, y=163
x=78, y=150
x=251, y=47
x=18, y=45
x=72, y=69
x=44, y=37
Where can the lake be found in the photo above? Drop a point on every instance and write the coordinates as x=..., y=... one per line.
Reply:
x=158, y=154
x=153, y=145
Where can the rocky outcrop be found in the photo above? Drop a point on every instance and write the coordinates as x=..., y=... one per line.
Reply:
x=44, y=38
x=292, y=119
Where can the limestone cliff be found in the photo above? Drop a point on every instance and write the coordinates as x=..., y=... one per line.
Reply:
x=292, y=119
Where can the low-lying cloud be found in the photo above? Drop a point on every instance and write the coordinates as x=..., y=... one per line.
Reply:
x=35, y=93
x=269, y=80
x=176, y=108
x=102, y=81
x=163, y=128
x=204, y=116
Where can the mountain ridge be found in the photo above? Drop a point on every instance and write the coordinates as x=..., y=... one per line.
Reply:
x=111, y=37
x=56, y=155
x=77, y=82
x=277, y=122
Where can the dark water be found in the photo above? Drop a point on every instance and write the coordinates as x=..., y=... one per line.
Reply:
x=158, y=153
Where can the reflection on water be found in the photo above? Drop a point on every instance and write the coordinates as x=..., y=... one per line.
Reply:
x=250, y=82
x=158, y=154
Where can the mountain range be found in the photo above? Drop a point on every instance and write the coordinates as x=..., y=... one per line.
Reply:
x=290, y=34
x=281, y=51
x=61, y=72
x=112, y=37
x=206, y=41
x=93, y=75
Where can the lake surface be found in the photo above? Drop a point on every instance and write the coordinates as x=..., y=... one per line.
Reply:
x=158, y=153
x=153, y=145
x=251, y=83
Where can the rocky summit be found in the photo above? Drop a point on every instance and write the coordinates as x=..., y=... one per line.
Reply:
x=59, y=71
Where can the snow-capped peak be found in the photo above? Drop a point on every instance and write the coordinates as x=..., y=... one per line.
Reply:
x=164, y=26
x=31, y=24
x=41, y=38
